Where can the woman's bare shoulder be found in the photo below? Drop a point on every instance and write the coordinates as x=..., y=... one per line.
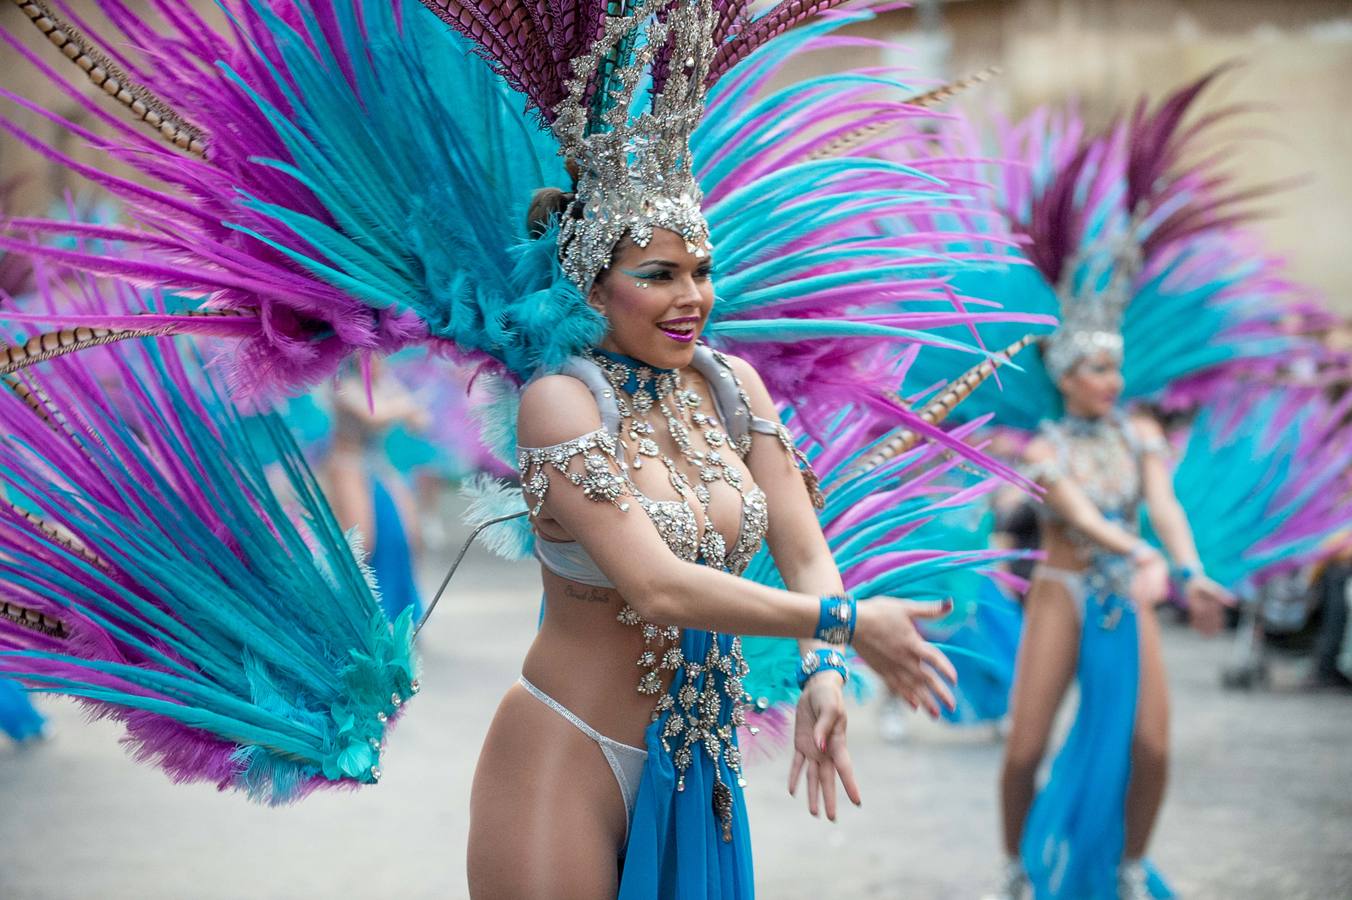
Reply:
x=1039, y=450
x=554, y=409
x=1147, y=429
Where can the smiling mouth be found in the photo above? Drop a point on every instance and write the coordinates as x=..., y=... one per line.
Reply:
x=682, y=330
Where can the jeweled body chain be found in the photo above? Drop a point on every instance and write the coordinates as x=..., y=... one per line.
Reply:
x=714, y=682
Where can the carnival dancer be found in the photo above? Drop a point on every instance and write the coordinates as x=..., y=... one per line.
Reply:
x=1089, y=615
x=351, y=195
x=1131, y=236
x=364, y=490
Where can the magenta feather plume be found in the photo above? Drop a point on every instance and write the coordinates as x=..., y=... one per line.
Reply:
x=153, y=574
x=191, y=233
x=532, y=44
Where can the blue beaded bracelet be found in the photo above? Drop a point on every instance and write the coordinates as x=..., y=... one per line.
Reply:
x=815, y=662
x=835, y=621
x=1186, y=573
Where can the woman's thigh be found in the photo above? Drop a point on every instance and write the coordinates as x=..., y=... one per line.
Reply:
x=1048, y=650
x=547, y=819
x=1152, y=705
x=348, y=489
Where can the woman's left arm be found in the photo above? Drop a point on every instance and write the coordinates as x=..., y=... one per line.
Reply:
x=804, y=561
x=1204, y=597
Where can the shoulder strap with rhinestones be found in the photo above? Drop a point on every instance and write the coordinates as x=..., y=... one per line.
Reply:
x=590, y=374
x=729, y=398
x=735, y=408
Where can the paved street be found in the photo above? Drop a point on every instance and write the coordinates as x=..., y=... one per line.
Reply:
x=1260, y=804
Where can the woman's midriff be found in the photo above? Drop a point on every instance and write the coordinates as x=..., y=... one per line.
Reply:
x=587, y=660
x=1060, y=552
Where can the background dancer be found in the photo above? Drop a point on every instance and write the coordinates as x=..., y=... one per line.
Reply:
x=365, y=491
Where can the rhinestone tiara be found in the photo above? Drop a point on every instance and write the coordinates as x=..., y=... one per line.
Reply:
x=1093, y=292
x=631, y=142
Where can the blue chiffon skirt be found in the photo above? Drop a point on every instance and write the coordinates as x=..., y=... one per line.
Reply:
x=1074, y=837
x=392, y=558
x=676, y=849
x=18, y=719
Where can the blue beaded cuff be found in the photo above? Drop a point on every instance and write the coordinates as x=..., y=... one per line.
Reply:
x=817, y=661
x=835, y=621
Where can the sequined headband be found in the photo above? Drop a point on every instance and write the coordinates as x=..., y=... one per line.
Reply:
x=632, y=154
x=1094, y=293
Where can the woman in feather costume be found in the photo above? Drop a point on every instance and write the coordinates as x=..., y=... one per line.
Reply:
x=366, y=492
x=1131, y=236
x=344, y=178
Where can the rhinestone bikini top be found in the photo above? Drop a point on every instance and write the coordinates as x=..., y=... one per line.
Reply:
x=599, y=462
x=706, y=704
x=1103, y=458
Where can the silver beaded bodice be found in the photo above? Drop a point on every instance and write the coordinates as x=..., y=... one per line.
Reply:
x=706, y=706
x=590, y=462
x=1103, y=459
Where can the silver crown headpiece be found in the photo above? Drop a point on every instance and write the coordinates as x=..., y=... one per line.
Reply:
x=634, y=169
x=1094, y=290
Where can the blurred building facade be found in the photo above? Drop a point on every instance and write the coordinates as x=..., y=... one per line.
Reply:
x=1296, y=72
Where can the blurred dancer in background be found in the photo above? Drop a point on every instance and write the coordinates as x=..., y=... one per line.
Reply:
x=1132, y=242
x=1089, y=615
x=365, y=490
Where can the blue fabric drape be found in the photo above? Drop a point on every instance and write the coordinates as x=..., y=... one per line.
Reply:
x=676, y=849
x=392, y=558
x=1073, y=840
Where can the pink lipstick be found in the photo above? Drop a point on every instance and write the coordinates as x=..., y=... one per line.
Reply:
x=682, y=330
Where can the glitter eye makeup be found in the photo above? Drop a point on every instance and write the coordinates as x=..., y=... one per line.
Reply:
x=643, y=279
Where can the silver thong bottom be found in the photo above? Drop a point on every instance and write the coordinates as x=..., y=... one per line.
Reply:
x=625, y=761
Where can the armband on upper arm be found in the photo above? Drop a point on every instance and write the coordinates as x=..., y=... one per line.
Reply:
x=588, y=461
x=1155, y=445
x=779, y=430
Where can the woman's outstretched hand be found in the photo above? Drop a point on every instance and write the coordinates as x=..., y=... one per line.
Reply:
x=911, y=667
x=1206, y=601
x=1150, y=581
x=819, y=745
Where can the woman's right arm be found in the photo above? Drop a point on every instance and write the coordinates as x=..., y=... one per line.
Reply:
x=666, y=590
x=1071, y=503
x=1065, y=497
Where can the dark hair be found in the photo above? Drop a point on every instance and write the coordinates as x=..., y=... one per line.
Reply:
x=546, y=205
x=550, y=203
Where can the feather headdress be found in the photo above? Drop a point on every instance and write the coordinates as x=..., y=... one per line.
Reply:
x=330, y=220
x=1132, y=237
